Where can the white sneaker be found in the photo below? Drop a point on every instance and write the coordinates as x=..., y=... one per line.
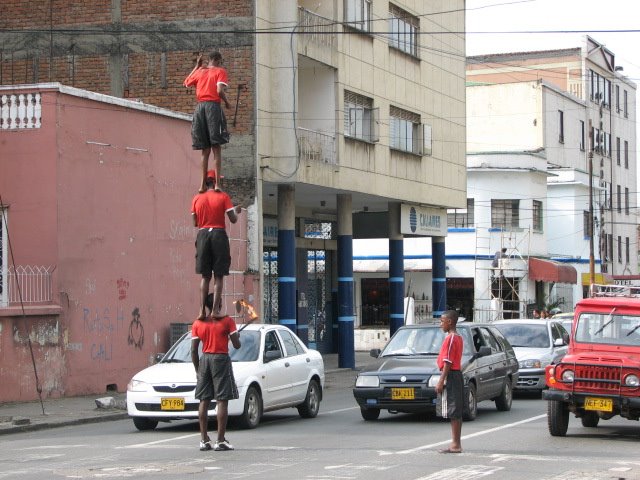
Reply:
x=204, y=446
x=223, y=445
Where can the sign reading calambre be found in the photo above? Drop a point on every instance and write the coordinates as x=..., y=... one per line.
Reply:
x=427, y=221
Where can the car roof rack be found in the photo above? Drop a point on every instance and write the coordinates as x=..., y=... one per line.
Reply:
x=598, y=290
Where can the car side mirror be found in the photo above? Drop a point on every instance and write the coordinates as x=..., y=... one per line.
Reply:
x=559, y=342
x=158, y=357
x=375, y=352
x=271, y=355
x=483, y=352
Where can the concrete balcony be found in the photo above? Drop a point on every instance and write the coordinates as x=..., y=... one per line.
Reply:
x=316, y=146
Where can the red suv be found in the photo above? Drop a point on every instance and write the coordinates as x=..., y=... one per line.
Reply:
x=599, y=377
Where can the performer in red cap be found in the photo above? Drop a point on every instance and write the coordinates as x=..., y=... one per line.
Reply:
x=212, y=243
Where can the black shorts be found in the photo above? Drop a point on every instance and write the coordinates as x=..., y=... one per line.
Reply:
x=450, y=403
x=215, y=378
x=212, y=252
x=209, y=126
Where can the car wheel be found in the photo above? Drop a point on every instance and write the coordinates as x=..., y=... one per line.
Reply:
x=309, y=408
x=470, y=411
x=590, y=419
x=503, y=402
x=557, y=418
x=144, y=423
x=252, y=413
x=370, y=413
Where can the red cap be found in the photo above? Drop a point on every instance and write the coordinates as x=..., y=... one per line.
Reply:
x=211, y=174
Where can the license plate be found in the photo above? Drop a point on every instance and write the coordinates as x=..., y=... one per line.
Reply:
x=402, y=394
x=172, y=403
x=600, y=404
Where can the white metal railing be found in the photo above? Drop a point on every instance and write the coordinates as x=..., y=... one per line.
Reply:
x=23, y=110
x=318, y=146
x=30, y=284
x=316, y=28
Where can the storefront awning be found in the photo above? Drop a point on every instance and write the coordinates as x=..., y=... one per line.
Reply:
x=550, y=271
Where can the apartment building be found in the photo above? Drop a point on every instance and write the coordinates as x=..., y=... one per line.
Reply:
x=604, y=129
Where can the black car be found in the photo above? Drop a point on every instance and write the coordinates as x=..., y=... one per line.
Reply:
x=405, y=374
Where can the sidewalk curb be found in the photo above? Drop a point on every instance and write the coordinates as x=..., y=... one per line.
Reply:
x=32, y=427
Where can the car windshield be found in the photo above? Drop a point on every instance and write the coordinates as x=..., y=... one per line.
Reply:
x=418, y=341
x=248, y=352
x=608, y=328
x=526, y=335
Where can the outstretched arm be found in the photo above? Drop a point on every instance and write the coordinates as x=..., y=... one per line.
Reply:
x=233, y=213
x=198, y=65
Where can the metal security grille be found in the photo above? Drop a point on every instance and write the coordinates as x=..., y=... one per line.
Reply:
x=317, y=283
x=270, y=266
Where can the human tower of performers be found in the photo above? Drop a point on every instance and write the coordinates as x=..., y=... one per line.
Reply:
x=212, y=327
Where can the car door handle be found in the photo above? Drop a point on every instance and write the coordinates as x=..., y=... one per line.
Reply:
x=308, y=360
x=286, y=364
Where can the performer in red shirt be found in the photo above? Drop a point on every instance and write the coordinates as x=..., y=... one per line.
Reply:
x=209, y=125
x=212, y=243
x=215, y=372
x=450, y=387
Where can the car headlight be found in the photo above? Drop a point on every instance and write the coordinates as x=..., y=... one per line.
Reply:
x=631, y=380
x=533, y=363
x=568, y=376
x=137, y=386
x=433, y=380
x=371, y=381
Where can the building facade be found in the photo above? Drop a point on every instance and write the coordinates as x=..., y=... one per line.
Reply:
x=603, y=130
x=345, y=116
x=97, y=240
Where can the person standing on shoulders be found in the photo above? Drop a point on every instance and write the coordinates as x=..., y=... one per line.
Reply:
x=213, y=255
x=450, y=387
x=215, y=373
x=209, y=124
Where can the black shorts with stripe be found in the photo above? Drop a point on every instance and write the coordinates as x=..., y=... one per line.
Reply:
x=450, y=403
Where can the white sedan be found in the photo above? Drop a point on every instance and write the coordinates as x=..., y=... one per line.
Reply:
x=273, y=370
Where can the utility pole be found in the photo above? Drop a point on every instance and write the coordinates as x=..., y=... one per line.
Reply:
x=592, y=275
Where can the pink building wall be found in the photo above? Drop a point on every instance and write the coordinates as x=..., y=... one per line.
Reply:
x=101, y=191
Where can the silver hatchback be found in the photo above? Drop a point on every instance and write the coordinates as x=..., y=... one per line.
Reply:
x=537, y=343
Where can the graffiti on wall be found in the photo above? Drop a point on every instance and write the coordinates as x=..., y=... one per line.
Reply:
x=123, y=286
x=136, y=330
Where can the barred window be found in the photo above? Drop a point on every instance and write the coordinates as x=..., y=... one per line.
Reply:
x=357, y=14
x=505, y=213
x=404, y=130
x=537, y=216
x=404, y=30
x=461, y=217
x=360, y=118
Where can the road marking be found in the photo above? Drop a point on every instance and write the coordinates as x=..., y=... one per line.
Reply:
x=466, y=472
x=330, y=412
x=157, y=442
x=471, y=435
x=40, y=447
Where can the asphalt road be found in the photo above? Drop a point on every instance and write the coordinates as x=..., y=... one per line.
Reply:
x=337, y=445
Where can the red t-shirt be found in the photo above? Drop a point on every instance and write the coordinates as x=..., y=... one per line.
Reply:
x=214, y=333
x=210, y=208
x=451, y=351
x=206, y=81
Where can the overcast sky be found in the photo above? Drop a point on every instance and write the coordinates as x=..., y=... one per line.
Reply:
x=601, y=19
x=558, y=15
